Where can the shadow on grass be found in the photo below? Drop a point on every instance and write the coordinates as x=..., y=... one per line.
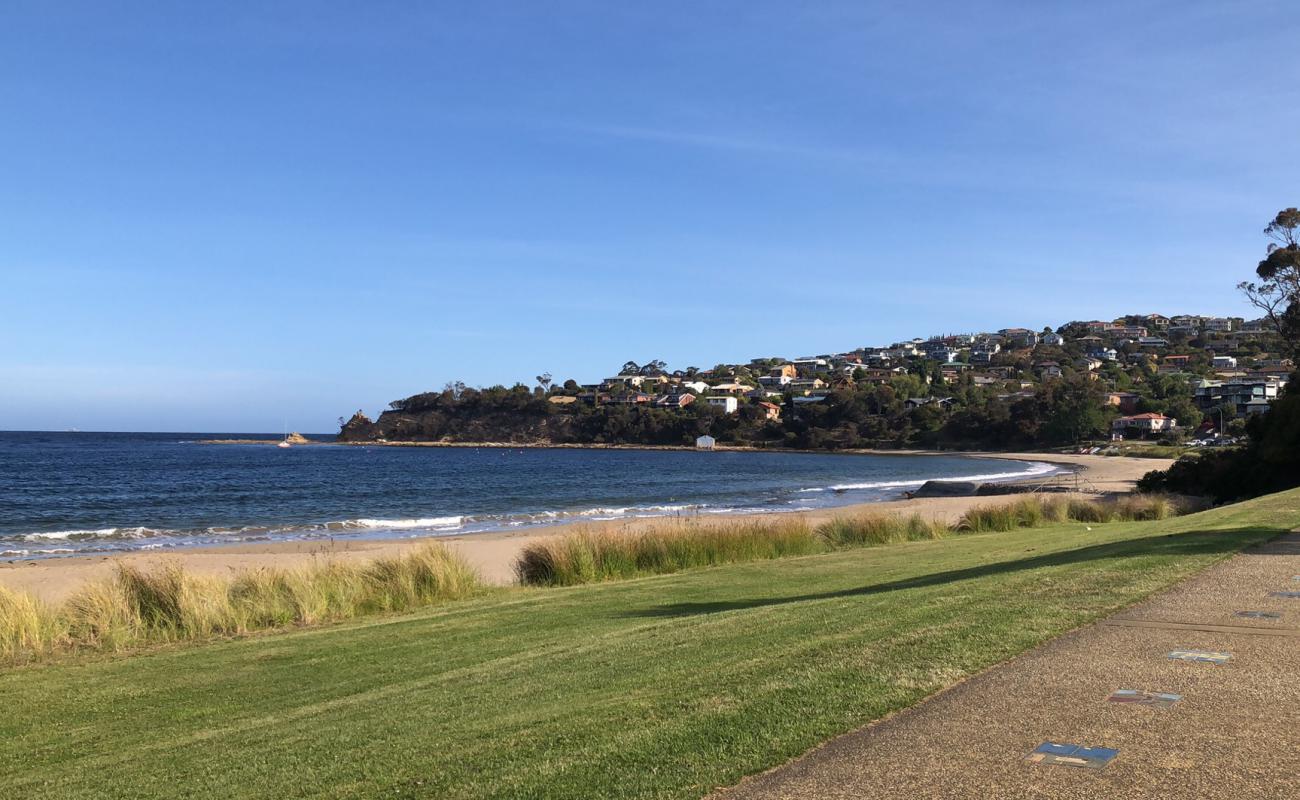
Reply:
x=1192, y=543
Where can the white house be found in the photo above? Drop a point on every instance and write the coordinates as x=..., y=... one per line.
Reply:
x=705, y=442
x=1145, y=423
x=727, y=403
x=1225, y=362
x=699, y=387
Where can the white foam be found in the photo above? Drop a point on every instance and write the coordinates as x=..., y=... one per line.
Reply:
x=403, y=524
x=97, y=533
x=1036, y=468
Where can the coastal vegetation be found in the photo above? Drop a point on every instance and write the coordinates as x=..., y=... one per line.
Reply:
x=587, y=556
x=1270, y=460
x=138, y=607
x=663, y=687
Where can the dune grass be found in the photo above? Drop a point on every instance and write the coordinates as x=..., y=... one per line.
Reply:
x=654, y=689
x=587, y=556
x=1038, y=510
x=166, y=604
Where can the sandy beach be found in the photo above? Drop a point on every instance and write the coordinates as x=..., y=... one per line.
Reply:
x=494, y=553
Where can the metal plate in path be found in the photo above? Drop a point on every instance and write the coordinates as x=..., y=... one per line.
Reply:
x=1139, y=697
x=1289, y=595
x=1259, y=614
x=1201, y=656
x=1071, y=755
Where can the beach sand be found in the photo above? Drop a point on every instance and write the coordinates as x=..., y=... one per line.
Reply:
x=494, y=554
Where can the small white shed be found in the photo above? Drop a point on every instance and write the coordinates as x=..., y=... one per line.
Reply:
x=705, y=443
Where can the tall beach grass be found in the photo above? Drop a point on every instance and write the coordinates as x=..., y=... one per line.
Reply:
x=587, y=556
x=163, y=603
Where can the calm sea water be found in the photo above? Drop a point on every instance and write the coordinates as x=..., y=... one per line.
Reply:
x=68, y=493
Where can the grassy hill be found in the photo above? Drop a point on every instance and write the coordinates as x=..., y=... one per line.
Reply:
x=661, y=687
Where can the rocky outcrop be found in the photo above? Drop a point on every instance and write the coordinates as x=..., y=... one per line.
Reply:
x=358, y=429
x=947, y=489
x=501, y=426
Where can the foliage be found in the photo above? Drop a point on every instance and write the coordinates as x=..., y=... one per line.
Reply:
x=1278, y=292
x=1269, y=462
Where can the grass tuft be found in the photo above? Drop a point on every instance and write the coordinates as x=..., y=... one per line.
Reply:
x=590, y=556
x=165, y=604
x=26, y=626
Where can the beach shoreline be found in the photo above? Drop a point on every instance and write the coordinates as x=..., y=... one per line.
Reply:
x=494, y=552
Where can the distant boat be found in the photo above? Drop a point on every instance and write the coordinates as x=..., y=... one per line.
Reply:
x=284, y=443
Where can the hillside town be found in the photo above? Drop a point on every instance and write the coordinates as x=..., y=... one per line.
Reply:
x=1182, y=379
x=1226, y=365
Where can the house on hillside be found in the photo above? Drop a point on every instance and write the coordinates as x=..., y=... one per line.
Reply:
x=770, y=410
x=705, y=442
x=775, y=381
x=730, y=388
x=1020, y=337
x=913, y=403
x=1143, y=424
x=1047, y=370
x=681, y=400
x=728, y=403
x=806, y=385
x=1126, y=402
x=1248, y=396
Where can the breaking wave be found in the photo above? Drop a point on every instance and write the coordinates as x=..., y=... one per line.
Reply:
x=1036, y=469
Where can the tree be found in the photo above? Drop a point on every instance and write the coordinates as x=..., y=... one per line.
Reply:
x=1278, y=292
x=544, y=381
x=1076, y=410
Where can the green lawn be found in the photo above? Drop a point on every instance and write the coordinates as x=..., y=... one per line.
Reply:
x=658, y=687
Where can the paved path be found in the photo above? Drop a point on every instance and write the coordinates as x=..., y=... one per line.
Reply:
x=1235, y=733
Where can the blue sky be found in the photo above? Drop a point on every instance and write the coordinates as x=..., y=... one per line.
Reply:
x=226, y=217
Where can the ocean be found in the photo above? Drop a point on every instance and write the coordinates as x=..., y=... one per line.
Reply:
x=83, y=493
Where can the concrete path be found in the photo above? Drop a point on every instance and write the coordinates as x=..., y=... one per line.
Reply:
x=1234, y=734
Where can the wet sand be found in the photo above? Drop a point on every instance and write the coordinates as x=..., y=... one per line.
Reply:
x=494, y=553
